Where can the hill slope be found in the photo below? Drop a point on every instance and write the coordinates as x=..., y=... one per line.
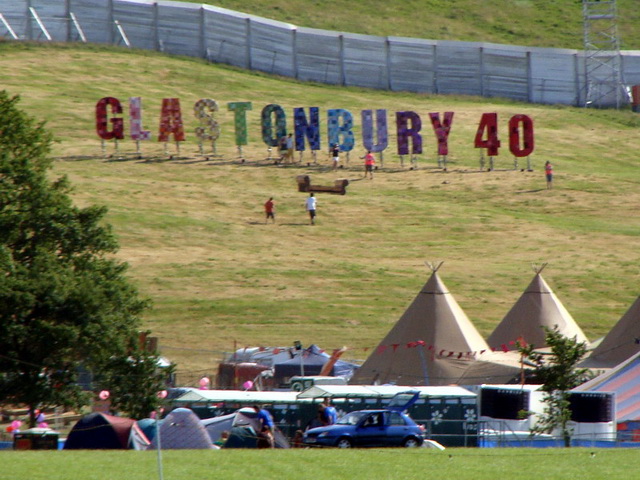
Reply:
x=192, y=228
x=539, y=23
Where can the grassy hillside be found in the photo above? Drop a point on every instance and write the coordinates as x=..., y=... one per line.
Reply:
x=192, y=228
x=409, y=464
x=539, y=23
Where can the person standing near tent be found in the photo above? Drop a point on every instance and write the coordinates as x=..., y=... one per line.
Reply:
x=265, y=436
x=548, y=171
x=310, y=205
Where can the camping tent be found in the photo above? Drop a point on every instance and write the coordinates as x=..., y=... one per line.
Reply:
x=311, y=363
x=242, y=426
x=434, y=343
x=537, y=307
x=101, y=431
x=620, y=344
x=181, y=429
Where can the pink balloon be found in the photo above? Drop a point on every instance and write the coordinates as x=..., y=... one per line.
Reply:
x=247, y=385
x=104, y=394
x=204, y=383
x=43, y=425
x=16, y=424
x=162, y=394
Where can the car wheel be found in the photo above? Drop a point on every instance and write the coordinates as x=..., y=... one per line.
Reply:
x=411, y=442
x=344, y=443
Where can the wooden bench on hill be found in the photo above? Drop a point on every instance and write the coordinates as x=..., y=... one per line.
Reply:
x=339, y=187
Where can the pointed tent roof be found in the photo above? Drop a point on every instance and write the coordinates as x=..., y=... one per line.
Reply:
x=624, y=380
x=621, y=343
x=433, y=343
x=537, y=307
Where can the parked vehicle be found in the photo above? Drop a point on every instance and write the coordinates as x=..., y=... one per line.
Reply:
x=388, y=427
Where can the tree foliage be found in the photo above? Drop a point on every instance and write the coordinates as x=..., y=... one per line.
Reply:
x=64, y=299
x=558, y=373
x=135, y=381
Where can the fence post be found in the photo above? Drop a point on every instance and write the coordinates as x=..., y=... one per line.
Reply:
x=343, y=79
x=28, y=32
x=529, y=78
x=481, y=60
x=156, y=30
x=248, y=39
x=112, y=37
x=67, y=16
x=387, y=53
x=203, y=41
x=435, y=68
x=294, y=53
x=576, y=83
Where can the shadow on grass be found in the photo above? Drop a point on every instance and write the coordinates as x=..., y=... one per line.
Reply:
x=288, y=224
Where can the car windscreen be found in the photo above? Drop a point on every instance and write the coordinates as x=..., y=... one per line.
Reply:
x=351, y=418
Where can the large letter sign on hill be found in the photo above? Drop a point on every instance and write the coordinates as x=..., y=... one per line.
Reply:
x=340, y=125
x=405, y=132
x=382, y=136
x=514, y=135
x=135, y=120
x=208, y=129
x=267, y=124
x=102, y=119
x=171, y=121
x=307, y=129
x=340, y=129
x=442, y=131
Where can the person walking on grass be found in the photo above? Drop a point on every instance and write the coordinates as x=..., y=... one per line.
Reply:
x=548, y=171
x=310, y=205
x=269, y=210
x=369, y=163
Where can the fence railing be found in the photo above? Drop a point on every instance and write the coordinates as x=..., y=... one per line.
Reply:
x=536, y=75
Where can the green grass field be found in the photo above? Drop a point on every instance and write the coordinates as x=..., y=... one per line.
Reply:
x=192, y=229
x=389, y=464
x=536, y=23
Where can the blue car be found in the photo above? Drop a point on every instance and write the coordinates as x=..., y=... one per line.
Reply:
x=388, y=427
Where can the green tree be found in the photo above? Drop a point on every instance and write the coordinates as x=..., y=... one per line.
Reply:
x=64, y=298
x=135, y=381
x=558, y=373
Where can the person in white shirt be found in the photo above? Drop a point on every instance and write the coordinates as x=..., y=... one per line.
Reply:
x=311, y=208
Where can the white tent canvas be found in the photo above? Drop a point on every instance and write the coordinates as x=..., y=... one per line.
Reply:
x=536, y=308
x=435, y=343
x=621, y=343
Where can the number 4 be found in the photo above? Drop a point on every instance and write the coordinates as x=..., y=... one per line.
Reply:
x=488, y=124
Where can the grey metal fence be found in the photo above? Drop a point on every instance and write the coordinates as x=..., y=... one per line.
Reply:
x=536, y=75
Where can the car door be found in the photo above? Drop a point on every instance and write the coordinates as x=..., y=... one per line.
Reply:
x=397, y=429
x=403, y=401
x=372, y=430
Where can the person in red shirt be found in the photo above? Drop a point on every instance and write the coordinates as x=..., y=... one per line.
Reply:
x=369, y=163
x=548, y=171
x=269, y=207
